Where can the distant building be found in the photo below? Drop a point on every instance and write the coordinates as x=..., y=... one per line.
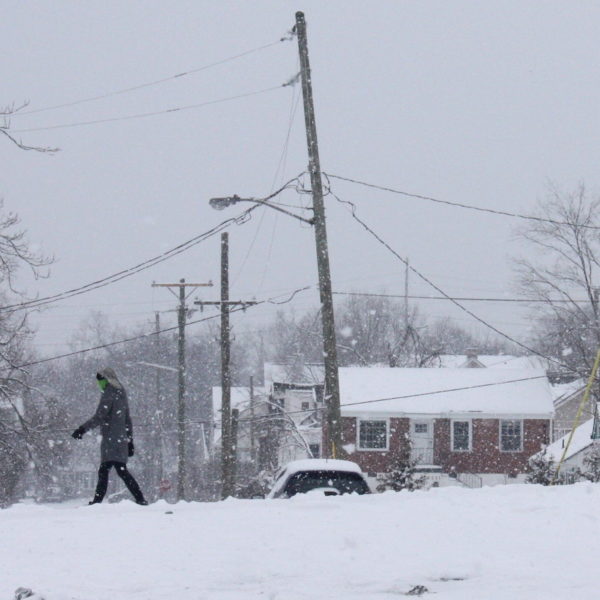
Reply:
x=477, y=426
x=567, y=399
x=580, y=447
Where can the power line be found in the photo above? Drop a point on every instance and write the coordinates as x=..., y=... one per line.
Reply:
x=502, y=213
x=272, y=300
x=280, y=167
x=148, y=114
x=440, y=291
x=150, y=83
x=275, y=414
x=110, y=279
x=462, y=299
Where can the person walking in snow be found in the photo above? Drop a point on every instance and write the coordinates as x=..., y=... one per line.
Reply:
x=112, y=416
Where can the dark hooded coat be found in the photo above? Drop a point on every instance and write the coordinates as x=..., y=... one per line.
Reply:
x=112, y=416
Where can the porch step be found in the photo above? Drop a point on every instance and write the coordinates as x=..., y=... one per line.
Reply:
x=428, y=469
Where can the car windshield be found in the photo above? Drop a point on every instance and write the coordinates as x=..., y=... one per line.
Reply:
x=343, y=482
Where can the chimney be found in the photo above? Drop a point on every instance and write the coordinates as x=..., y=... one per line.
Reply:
x=471, y=353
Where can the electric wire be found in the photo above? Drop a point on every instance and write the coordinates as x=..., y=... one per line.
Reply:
x=280, y=167
x=440, y=291
x=464, y=298
x=280, y=172
x=275, y=414
x=118, y=276
x=155, y=332
x=502, y=213
x=148, y=114
x=150, y=83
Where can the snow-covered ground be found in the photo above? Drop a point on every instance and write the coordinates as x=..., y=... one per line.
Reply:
x=509, y=543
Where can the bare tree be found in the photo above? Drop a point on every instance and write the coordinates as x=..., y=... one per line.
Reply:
x=5, y=113
x=16, y=433
x=563, y=279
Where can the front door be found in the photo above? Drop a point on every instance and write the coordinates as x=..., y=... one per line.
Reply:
x=421, y=436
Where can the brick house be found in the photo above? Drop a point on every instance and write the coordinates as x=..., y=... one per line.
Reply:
x=473, y=425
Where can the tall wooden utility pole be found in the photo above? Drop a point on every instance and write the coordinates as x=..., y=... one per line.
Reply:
x=181, y=318
x=227, y=452
x=227, y=441
x=252, y=428
x=159, y=407
x=406, y=274
x=332, y=386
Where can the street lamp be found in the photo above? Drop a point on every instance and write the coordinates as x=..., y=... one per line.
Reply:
x=226, y=201
x=334, y=433
x=332, y=385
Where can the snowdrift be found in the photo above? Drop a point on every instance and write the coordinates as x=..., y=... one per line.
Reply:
x=513, y=542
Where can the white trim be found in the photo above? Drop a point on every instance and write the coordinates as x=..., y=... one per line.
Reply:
x=470, y=423
x=359, y=448
x=500, y=436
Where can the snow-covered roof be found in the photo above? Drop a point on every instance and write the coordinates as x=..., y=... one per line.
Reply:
x=581, y=440
x=491, y=392
x=495, y=361
x=240, y=397
x=563, y=391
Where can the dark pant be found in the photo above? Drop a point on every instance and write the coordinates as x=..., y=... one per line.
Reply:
x=124, y=474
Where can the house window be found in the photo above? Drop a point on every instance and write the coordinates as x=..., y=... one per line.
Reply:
x=421, y=427
x=315, y=450
x=461, y=436
x=305, y=405
x=372, y=435
x=511, y=436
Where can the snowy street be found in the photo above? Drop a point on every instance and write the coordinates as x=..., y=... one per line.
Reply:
x=515, y=542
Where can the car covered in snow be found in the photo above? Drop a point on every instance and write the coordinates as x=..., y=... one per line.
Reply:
x=329, y=477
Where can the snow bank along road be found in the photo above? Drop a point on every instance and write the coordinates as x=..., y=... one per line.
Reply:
x=510, y=543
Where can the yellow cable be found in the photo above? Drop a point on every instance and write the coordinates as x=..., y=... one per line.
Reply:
x=582, y=404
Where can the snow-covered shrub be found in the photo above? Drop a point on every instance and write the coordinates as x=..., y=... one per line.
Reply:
x=404, y=474
x=541, y=469
x=592, y=465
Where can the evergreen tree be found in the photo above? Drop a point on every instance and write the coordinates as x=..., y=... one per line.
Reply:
x=404, y=474
x=541, y=469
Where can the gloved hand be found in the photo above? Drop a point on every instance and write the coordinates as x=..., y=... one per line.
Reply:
x=78, y=433
x=131, y=448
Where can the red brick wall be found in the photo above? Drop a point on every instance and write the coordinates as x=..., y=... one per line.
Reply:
x=485, y=456
x=377, y=461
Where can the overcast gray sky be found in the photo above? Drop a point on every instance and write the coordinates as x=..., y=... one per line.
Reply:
x=475, y=102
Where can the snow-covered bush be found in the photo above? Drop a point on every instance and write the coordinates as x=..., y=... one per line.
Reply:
x=541, y=469
x=592, y=465
x=404, y=474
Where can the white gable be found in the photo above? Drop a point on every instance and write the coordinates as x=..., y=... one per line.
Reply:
x=240, y=398
x=490, y=392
